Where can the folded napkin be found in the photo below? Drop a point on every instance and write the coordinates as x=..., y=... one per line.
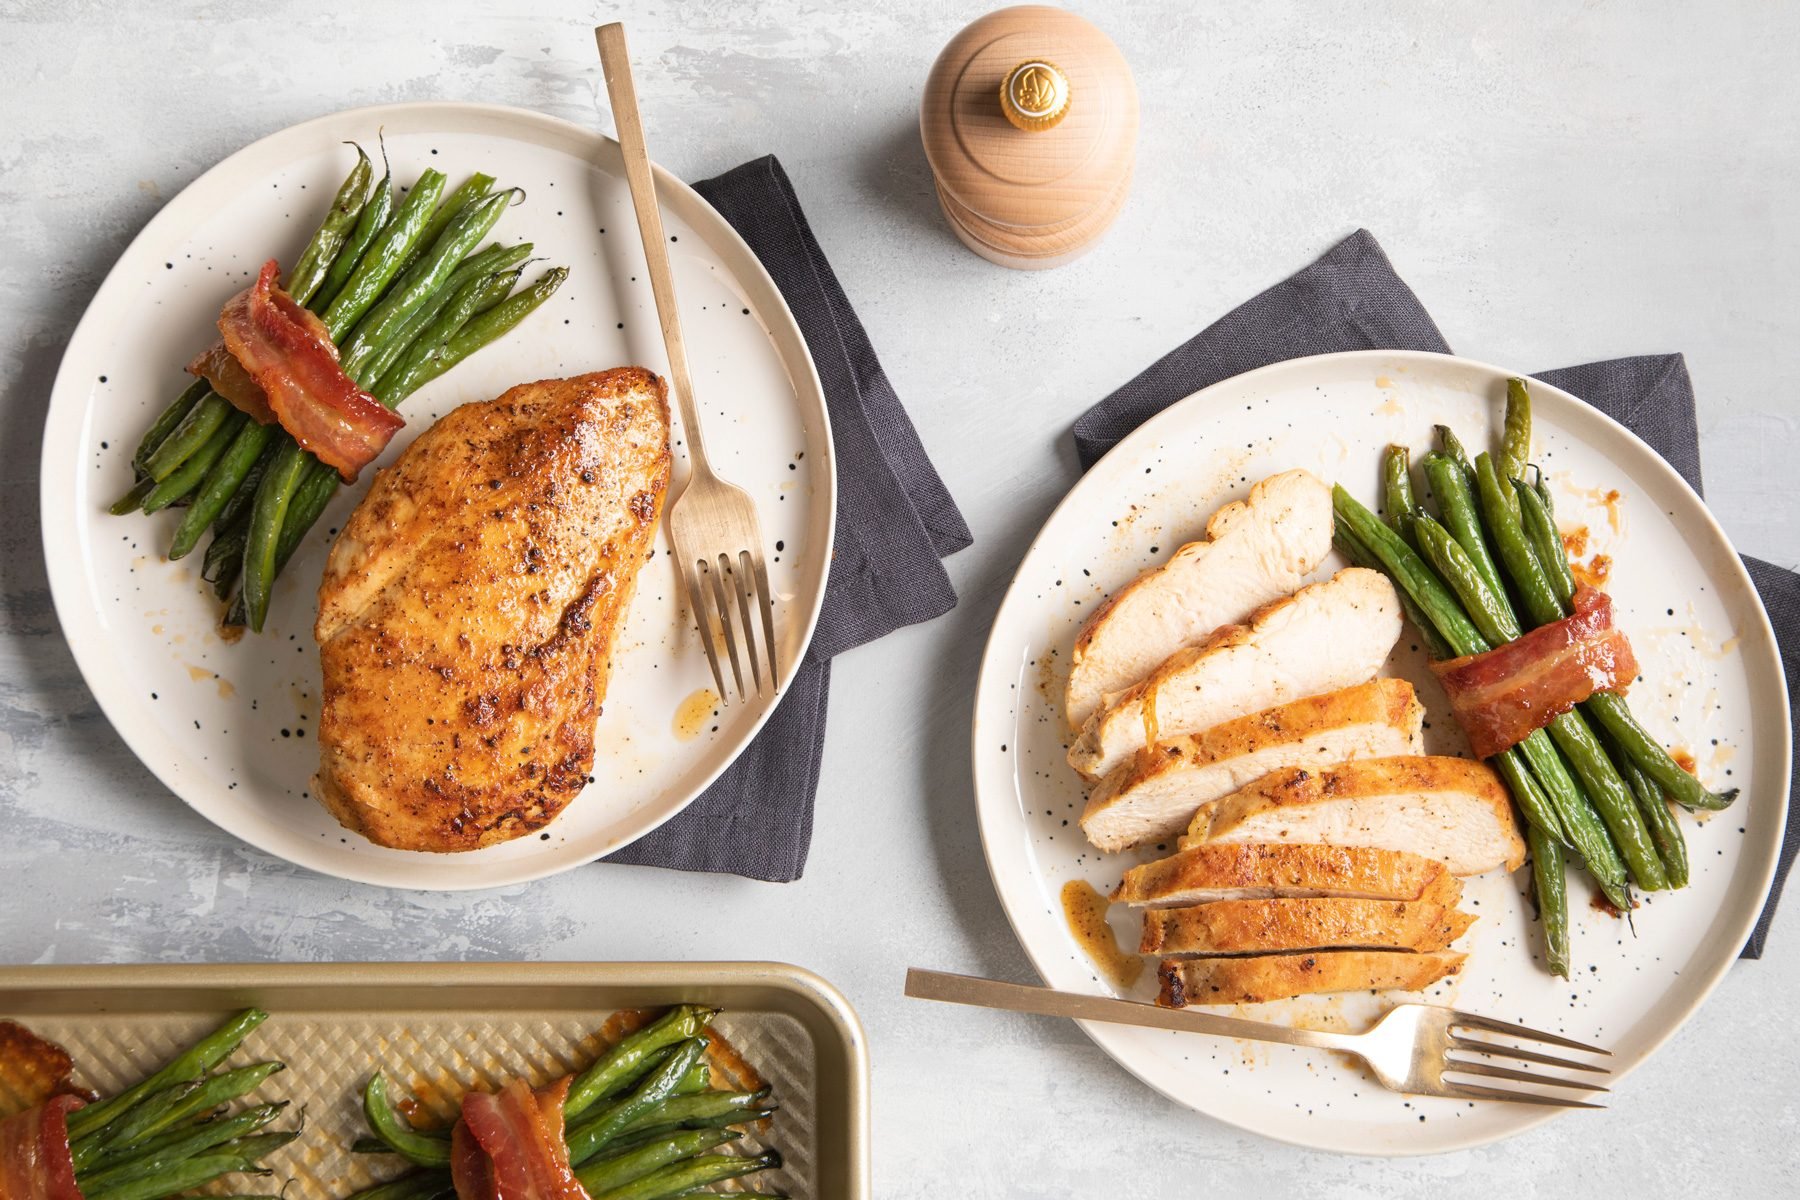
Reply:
x=1351, y=299
x=895, y=521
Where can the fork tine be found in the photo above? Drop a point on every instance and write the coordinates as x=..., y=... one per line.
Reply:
x=1469, y=1091
x=765, y=600
x=1480, y=1047
x=741, y=582
x=737, y=668
x=1476, y=1021
x=703, y=621
x=1495, y=1072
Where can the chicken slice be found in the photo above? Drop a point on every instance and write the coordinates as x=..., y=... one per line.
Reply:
x=1324, y=637
x=1455, y=810
x=1232, y=927
x=1156, y=792
x=469, y=609
x=1256, y=550
x=1216, y=871
x=1278, y=976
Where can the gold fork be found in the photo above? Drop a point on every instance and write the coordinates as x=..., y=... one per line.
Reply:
x=1409, y=1049
x=713, y=524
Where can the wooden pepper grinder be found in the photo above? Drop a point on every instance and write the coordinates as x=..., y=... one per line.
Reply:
x=1030, y=124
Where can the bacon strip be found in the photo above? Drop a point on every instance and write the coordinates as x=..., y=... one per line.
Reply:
x=288, y=353
x=1505, y=695
x=509, y=1146
x=35, y=1162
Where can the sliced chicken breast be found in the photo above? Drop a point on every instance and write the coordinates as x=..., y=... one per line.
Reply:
x=1218, y=871
x=1232, y=927
x=1278, y=976
x=1156, y=792
x=1455, y=810
x=1255, y=551
x=1323, y=637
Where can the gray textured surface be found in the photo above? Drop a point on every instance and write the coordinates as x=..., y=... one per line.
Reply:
x=1558, y=182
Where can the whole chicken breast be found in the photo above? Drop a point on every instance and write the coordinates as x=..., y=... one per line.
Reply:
x=1324, y=637
x=1256, y=550
x=469, y=611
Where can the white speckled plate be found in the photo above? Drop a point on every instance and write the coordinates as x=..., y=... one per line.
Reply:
x=1712, y=685
x=229, y=726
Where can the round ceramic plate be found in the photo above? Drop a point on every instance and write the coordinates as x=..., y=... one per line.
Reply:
x=228, y=725
x=1712, y=685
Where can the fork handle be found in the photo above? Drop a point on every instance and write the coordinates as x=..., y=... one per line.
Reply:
x=615, y=62
x=1048, y=1002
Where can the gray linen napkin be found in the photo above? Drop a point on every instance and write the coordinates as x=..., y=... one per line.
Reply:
x=895, y=521
x=1351, y=299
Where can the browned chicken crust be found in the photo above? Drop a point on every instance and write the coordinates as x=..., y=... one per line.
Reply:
x=1251, y=870
x=1278, y=976
x=1229, y=927
x=469, y=609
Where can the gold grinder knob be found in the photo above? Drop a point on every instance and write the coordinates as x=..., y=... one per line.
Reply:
x=1035, y=95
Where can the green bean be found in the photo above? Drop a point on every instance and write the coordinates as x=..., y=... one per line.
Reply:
x=1397, y=491
x=165, y=424
x=385, y=256
x=1452, y=448
x=639, y=1161
x=1539, y=811
x=150, y=1119
x=431, y=341
x=420, y=280
x=1611, y=711
x=704, y=1110
x=414, y=1185
x=475, y=187
x=274, y=495
x=320, y=253
x=369, y=223
x=132, y=500
x=665, y=1081
x=1611, y=798
x=237, y=508
x=1536, y=595
x=1409, y=571
x=261, y=1145
x=495, y=258
x=1489, y=610
x=1540, y=530
x=224, y=557
x=1665, y=830
x=481, y=330
x=685, y=1177
x=188, y=477
x=1515, y=433
x=1549, y=879
x=88, y=1149
x=625, y=1062
x=392, y=1129
x=160, y=1153
x=202, y=1056
x=1456, y=504
x=190, y=1173
x=1360, y=555
x=194, y=431
x=227, y=475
